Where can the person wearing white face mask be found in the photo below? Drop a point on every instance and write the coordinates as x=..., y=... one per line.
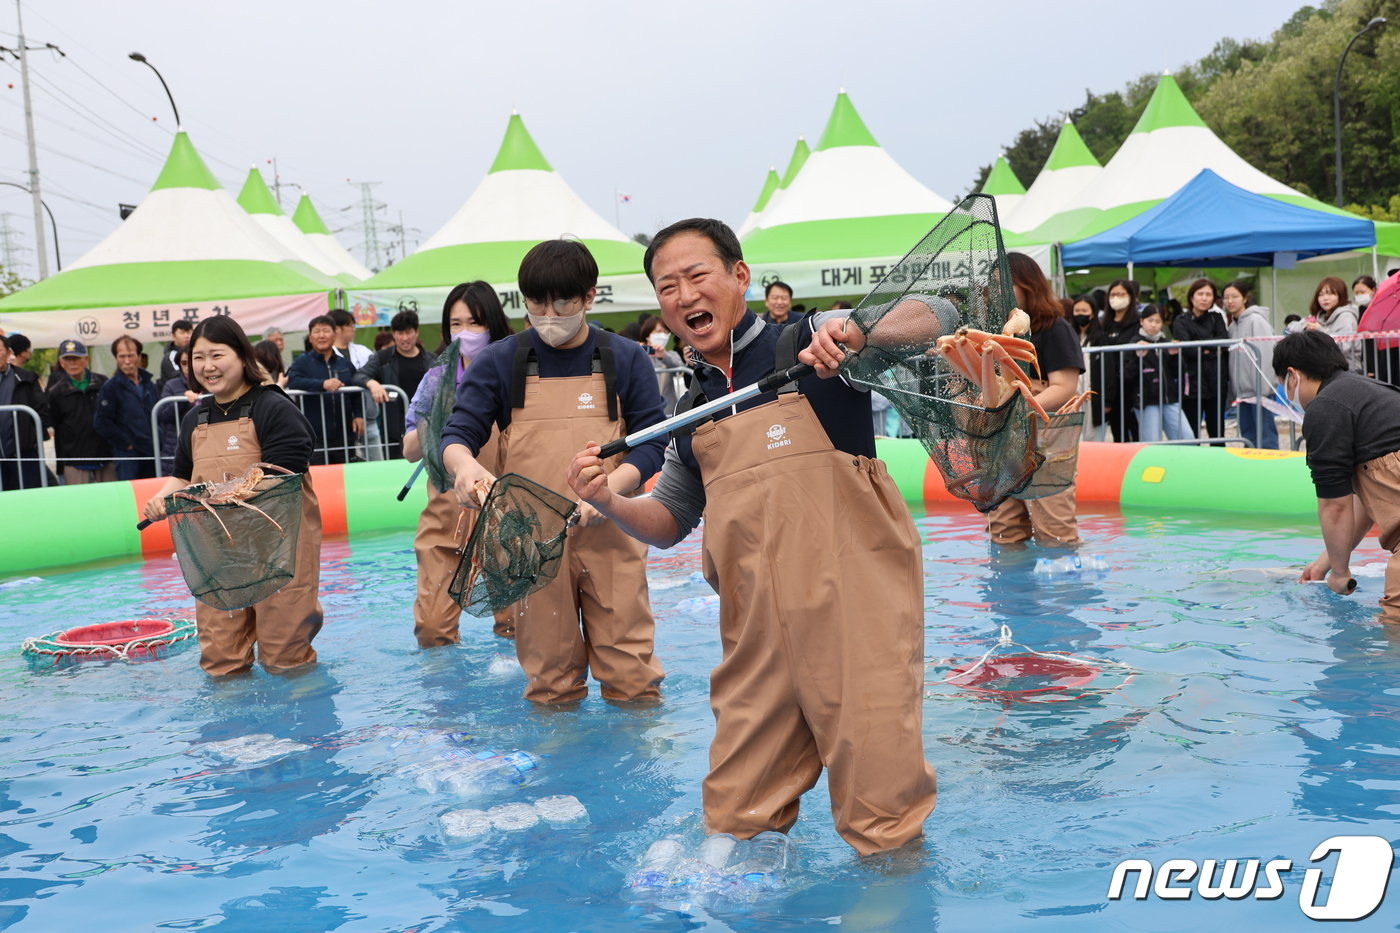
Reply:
x=655, y=338
x=1351, y=424
x=550, y=390
x=472, y=318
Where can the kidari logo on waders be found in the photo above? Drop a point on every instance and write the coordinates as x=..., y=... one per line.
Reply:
x=777, y=435
x=233, y=442
x=585, y=401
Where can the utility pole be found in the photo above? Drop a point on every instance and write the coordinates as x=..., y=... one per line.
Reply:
x=369, y=207
x=23, y=52
x=276, y=182
x=8, y=246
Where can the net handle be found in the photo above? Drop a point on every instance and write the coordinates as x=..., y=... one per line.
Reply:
x=769, y=383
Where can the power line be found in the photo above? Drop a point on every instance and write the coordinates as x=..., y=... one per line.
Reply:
x=72, y=158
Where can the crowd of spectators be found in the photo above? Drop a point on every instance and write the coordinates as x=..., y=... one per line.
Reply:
x=1146, y=387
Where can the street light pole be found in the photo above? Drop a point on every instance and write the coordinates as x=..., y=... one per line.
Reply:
x=138, y=57
x=58, y=258
x=40, y=251
x=1337, y=100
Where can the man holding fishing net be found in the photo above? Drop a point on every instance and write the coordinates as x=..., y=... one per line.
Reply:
x=547, y=390
x=812, y=550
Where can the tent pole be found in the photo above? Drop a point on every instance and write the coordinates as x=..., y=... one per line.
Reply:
x=1130, y=269
x=1376, y=262
x=1273, y=290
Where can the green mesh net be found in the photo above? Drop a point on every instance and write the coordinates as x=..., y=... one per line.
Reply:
x=432, y=410
x=237, y=540
x=515, y=548
x=1059, y=445
x=956, y=277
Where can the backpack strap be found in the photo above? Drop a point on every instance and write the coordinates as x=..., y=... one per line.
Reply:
x=785, y=354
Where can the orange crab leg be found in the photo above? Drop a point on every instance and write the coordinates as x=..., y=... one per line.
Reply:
x=1030, y=400
x=1075, y=403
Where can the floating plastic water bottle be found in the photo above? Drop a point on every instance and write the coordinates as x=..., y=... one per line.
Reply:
x=653, y=875
x=464, y=772
x=1072, y=566
x=702, y=877
x=771, y=855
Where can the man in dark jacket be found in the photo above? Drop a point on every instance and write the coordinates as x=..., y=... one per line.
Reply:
x=401, y=365
x=123, y=415
x=336, y=418
x=83, y=456
x=19, y=444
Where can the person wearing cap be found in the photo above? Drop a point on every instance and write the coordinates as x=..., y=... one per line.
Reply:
x=19, y=447
x=808, y=542
x=83, y=455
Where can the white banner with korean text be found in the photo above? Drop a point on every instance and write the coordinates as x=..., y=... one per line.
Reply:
x=151, y=323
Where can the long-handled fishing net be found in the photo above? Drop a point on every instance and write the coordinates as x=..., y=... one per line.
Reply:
x=433, y=410
x=957, y=395
x=515, y=548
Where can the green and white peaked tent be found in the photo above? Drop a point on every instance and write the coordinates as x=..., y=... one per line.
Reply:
x=309, y=222
x=257, y=200
x=1167, y=148
x=1003, y=185
x=800, y=152
x=850, y=212
x=521, y=201
x=770, y=185
x=1068, y=171
x=187, y=251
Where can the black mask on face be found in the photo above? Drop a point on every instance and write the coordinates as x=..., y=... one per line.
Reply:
x=1083, y=320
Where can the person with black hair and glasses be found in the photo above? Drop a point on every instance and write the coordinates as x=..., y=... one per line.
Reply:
x=1351, y=425
x=548, y=390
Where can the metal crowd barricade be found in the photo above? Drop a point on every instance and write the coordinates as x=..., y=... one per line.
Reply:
x=1202, y=395
x=166, y=417
x=332, y=422
x=677, y=376
x=12, y=468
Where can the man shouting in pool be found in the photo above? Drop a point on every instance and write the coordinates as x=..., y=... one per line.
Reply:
x=809, y=544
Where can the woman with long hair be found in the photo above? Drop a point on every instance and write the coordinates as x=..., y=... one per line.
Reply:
x=1051, y=520
x=472, y=318
x=1333, y=313
x=241, y=423
x=1204, y=383
x=1155, y=387
x=1251, y=366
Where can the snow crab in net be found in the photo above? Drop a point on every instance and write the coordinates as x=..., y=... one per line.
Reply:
x=232, y=491
x=989, y=361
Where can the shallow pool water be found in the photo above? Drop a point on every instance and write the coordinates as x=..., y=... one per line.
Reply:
x=1255, y=718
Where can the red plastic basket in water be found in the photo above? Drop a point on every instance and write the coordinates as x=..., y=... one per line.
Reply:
x=115, y=633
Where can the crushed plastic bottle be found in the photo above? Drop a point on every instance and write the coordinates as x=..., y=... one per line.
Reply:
x=652, y=877
x=771, y=856
x=1072, y=567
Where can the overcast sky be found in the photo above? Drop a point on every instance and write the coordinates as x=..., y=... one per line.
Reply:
x=681, y=106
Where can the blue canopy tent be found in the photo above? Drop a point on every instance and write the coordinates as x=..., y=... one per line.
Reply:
x=1212, y=222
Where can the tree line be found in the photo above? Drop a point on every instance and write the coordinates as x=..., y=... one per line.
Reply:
x=1271, y=102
